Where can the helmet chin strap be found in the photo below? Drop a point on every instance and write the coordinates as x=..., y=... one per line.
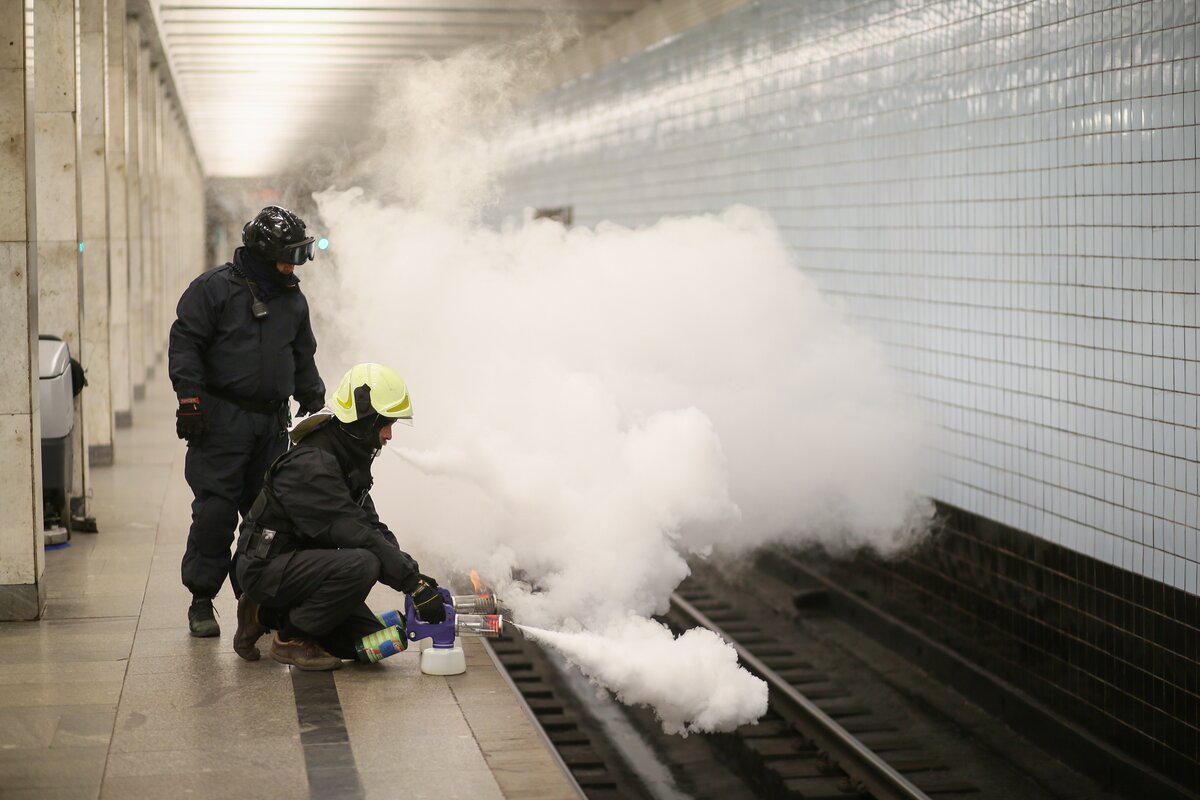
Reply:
x=362, y=440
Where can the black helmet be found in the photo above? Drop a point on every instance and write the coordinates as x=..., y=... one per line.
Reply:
x=279, y=235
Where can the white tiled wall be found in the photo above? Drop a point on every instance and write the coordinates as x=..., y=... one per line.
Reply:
x=1004, y=192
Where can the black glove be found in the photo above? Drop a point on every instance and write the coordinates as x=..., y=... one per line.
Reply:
x=428, y=600
x=189, y=419
x=309, y=405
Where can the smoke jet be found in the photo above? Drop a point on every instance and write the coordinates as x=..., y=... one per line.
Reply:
x=643, y=667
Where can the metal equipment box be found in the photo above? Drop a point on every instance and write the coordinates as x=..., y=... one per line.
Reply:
x=57, y=401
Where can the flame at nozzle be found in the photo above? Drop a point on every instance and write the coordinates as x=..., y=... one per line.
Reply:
x=482, y=601
x=486, y=625
x=481, y=613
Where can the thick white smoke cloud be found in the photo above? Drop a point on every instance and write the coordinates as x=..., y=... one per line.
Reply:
x=592, y=406
x=645, y=666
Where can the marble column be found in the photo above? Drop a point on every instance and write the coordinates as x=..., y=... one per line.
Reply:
x=60, y=302
x=22, y=557
x=118, y=219
x=93, y=195
x=174, y=252
x=152, y=191
x=135, y=75
x=171, y=209
x=192, y=229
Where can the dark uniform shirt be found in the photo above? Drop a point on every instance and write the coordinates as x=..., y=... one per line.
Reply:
x=216, y=342
x=322, y=501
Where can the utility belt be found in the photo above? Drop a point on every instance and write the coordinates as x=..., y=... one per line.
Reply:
x=266, y=542
x=253, y=406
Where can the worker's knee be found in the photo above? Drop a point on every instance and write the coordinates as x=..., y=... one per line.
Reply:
x=214, y=519
x=361, y=568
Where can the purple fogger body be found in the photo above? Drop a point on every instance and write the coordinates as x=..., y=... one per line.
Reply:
x=442, y=633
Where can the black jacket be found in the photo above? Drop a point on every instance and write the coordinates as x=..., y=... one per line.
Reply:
x=319, y=494
x=217, y=343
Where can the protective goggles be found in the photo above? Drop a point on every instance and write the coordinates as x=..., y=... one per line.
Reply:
x=298, y=253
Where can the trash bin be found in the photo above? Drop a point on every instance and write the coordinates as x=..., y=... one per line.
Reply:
x=57, y=399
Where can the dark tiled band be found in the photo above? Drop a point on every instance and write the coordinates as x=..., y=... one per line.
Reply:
x=328, y=759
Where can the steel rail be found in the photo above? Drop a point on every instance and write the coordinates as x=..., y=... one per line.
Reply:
x=861, y=764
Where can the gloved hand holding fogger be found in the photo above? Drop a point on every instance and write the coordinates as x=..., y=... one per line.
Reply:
x=312, y=547
x=434, y=619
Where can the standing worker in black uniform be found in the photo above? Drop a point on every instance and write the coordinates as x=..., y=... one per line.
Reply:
x=313, y=547
x=241, y=346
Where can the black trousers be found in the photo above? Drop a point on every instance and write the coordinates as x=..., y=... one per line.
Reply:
x=225, y=471
x=320, y=594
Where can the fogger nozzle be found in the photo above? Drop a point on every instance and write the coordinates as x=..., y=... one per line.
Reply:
x=474, y=603
x=487, y=625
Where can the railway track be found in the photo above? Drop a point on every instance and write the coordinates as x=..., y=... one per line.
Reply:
x=829, y=732
x=817, y=740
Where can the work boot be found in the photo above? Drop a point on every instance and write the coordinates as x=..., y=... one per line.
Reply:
x=201, y=621
x=302, y=653
x=249, y=630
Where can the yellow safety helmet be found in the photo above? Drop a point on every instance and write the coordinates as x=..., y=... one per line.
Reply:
x=371, y=389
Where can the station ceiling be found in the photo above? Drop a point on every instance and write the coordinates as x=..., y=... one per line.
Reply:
x=263, y=82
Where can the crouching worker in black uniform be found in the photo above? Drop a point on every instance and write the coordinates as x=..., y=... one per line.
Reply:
x=313, y=547
x=241, y=346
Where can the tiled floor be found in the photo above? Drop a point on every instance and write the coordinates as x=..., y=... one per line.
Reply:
x=108, y=697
